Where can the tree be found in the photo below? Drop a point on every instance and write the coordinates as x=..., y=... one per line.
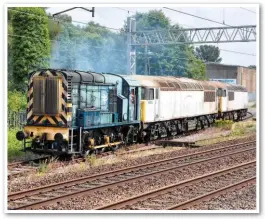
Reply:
x=208, y=53
x=17, y=101
x=30, y=44
x=195, y=68
x=159, y=59
x=252, y=66
x=55, y=24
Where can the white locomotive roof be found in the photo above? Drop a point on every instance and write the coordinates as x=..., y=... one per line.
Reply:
x=168, y=82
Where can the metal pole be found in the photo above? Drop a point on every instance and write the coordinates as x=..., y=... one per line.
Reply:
x=131, y=52
x=145, y=59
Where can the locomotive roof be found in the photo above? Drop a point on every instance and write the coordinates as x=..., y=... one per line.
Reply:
x=77, y=76
x=85, y=76
x=230, y=87
x=168, y=82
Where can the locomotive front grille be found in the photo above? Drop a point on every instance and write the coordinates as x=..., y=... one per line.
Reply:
x=39, y=95
x=46, y=95
x=52, y=96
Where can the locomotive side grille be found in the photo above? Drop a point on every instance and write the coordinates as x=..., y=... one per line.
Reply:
x=52, y=96
x=209, y=96
x=39, y=96
x=113, y=100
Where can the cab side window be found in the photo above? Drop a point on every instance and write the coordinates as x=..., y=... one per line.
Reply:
x=148, y=94
x=151, y=94
x=219, y=92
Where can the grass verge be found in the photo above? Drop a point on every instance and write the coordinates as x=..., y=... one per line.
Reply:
x=238, y=130
x=14, y=146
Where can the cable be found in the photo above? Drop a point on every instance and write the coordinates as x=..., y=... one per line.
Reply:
x=248, y=10
x=148, y=16
x=203, y=18
x=73, y=21
x=243, y=53
x=207, y=19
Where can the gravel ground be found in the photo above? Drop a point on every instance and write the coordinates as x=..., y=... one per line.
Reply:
x=140, y=186
x=209, y=133
x=85, y=169
x=188, y=192
x=241, y=199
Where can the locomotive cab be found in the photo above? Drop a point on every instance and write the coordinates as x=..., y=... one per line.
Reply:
x=74, y=112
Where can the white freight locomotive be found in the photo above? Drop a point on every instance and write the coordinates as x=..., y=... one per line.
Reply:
x=173, y=105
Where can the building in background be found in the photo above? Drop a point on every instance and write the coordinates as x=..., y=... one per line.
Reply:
x=233, y=74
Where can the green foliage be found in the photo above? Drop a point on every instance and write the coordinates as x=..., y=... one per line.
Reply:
x=16, y=101
x=91, y=47
x=43, y=167
x=30, y=44
x=195, y=68
x=208, y=53
x=252, y=66
x=243, y=128
x=14, y=146
x=224, y=124
x=55, y=24
x=159, y=59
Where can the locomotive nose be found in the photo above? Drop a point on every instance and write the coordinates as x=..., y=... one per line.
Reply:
x=20, y=135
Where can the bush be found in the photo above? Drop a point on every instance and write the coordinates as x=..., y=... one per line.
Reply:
x=16, y=101
x=14, y=146
x=224, y=124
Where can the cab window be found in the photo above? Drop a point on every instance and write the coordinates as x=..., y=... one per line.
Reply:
x=151, y=94
x=219, y=92
x=147, y=94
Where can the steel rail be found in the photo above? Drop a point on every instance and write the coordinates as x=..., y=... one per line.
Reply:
x=207, y=196
x=163, y=190
x=81, y=191
x=21, y=194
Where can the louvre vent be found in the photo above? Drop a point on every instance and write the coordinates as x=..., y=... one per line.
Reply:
x=39, y=95
x=46, y=95
x=209, y=96
x=52, y=96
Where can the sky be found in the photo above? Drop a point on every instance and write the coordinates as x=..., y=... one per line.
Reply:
x=114, y=17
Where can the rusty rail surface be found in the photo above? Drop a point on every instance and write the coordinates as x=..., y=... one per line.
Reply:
x=208, y=196
x=161, y=191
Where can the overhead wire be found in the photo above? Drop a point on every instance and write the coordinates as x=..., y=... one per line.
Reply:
x=64, y=22
x=202, y=18
x=248, y=10
x=148, y=16
x=98, y=27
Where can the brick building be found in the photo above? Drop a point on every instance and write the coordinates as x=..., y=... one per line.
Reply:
x=234, y=74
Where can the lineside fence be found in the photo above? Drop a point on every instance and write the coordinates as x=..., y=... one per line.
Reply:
x=16, y=119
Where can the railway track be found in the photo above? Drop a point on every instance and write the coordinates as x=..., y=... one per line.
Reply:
x=189, y=192
x=41, y=196
x=16, y=169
